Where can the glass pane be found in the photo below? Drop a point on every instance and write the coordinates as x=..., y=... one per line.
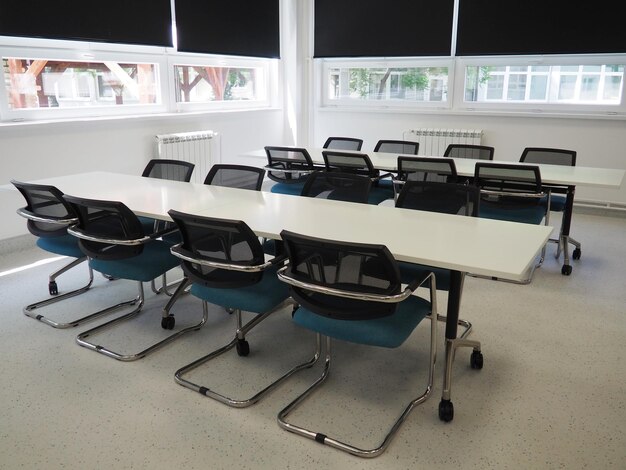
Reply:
x=517, y=87
x=201, y=84
x=495, y=87
x=615, y=68
x=518, y=68
x=589, y=87
x=592, y=68
x=612, y=89
x=538, y=87
x=569, y=68
x=567, y=87
x=45, y=83
x=540, y=68
x=392, y=83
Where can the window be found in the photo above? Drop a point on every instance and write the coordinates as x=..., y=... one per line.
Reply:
x=41, y=83
x=209, y=83
x=390, y=83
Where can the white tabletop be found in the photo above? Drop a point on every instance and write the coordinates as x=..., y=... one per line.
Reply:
x=550, y=174
x=480, y=246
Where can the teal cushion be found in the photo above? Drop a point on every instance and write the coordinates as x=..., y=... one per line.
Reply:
x=379, y=194
x=154, y=260
x=294, y=189
x=386, y=183
x=409, y=272
x=387, y=332
x=557, y=203
x=261, y=297
x=66, y=245
x=147, y=223
x=527, y=215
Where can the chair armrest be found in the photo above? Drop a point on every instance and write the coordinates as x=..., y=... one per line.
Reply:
x=75, y=231
x=274, y=169
x=48, y=220
x=512, y=193
x=185, y=255
x=343, y=293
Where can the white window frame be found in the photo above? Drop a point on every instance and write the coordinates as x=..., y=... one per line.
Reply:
x=75, y=51
x=534, y=107
x=269, y=71
x=327, y=64
x=164, y=58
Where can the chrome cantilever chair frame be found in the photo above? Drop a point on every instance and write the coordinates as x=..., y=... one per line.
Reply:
x=62, y=221
x=239, y=342
x=167, y=318
x=323, y=438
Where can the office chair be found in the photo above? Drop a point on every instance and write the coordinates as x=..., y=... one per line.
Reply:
x=360, y=164
x=513, y=193
x=235, y=176
x=337, y=186
x=423, y=169
x=352, y=292
x=289, y=167
x=343, y=143
x=114, y=240
x=172, y=170
x=476, y=152
x=558, y=203
x=48, y=217
x=397, y=146
x=225, y=265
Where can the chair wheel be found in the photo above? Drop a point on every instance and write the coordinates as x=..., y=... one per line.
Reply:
x=476, y=360
x=446, y=410
x=566, y=270
x=52, y=288
x=576, y=254
x=167, y=323
x=229, y=310
x=243, y=347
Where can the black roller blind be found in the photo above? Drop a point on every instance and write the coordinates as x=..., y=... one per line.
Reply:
x=146, y=22
x=378, y=28
x=540, y=27
x=242, y=27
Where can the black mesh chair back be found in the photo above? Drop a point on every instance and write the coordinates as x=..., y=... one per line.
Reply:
x=354, y=267
x=236, y=176
x=219, y=241
x=426, y=169
x=174, y=170
x=448, y=198
x=343, y=143
x=107, y=220
x=357, y=163
x=397, y=146
x=508, y=186
x=293, y=164
x=476, y=152
x=549, y=156
x=46, y=203
x=337, y=186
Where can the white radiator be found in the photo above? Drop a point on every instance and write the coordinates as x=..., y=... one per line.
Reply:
x=202, y=148
x=433, y=142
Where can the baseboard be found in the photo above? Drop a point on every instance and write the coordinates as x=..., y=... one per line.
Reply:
x=19, y=243
x=609, y=209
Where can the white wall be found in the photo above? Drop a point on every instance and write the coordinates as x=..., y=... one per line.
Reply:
x=34, y=151
x=599, y=142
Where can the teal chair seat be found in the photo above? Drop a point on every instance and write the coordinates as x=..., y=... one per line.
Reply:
x=527, y=215
x=557, y=203
x=386, y=332
x=65, y=245
x=409, y=272
x=379, y=194
x=294, y=189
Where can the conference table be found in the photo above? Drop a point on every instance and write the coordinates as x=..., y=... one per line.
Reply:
x=559, y=178
x=460, y=244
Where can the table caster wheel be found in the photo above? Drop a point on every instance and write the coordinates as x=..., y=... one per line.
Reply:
x=566, y=270
x=167, y=323
x=476, y=360
x=52, y=288
x=446, y=410
x=243, y=347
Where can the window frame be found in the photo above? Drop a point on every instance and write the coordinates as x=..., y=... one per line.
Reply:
x=534, y=107
x=422, y=62
x=269, y=69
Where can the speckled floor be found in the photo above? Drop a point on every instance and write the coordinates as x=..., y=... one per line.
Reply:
x=552, y=393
